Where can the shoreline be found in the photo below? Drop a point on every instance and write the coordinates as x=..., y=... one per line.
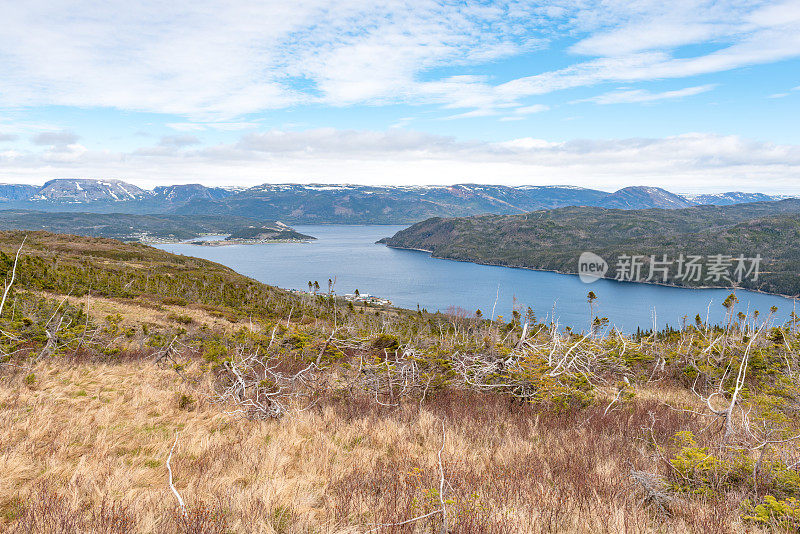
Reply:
x=197, y=241
x=661, y=284
x=229, y=242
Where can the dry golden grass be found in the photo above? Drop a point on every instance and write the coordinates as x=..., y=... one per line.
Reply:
x=84, y=436
x=134, y=314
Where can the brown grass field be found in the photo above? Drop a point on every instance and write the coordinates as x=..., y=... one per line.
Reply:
x=95, y=437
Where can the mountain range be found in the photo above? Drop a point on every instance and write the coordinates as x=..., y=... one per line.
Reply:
x=325, y=203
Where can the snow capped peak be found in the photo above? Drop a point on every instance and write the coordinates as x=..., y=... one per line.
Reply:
x=87, y=190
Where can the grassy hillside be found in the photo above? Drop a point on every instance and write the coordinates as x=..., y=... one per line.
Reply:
x=554, y=239
x=280, y=413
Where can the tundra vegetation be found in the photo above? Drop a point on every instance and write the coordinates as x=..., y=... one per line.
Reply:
x=146, y=392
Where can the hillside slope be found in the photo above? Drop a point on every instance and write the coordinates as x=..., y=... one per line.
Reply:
x=639, y=197
x=555, y=239
x=86, y=190
x=130, y=377
x=147, y=228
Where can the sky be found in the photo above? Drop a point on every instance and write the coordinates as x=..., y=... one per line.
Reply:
x=690, y=95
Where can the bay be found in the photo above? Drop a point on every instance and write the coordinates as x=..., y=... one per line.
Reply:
x=350, y=256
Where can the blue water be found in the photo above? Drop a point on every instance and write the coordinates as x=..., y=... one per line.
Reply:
x=409, y=278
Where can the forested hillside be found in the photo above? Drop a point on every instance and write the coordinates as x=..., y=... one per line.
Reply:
x=555, y=239
x=130, y=227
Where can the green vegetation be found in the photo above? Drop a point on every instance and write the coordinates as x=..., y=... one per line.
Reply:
x=130, y=227
x=261, y=232
x=554, y=239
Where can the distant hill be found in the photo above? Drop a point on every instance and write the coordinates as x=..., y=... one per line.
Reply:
x=365, y=204
x=104, y=196
x=15, y=192
x=343, y=204
x=276, y=231
x=554, y=239
x=639, y=197
x=732, y=197
x=384, y=205
x=176, y=194
x=84, y=190
x=558, y=196
x=137, y=227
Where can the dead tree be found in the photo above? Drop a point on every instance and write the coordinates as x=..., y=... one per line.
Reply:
x=13, y=276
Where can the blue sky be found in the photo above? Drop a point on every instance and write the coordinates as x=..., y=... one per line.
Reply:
x=693, y=95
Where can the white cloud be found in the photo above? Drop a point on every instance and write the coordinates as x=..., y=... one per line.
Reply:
x=527, y=110
x=71, y=153
x=687, y=162
x=521, y=112
x=207, y=60
x=639, y=46
x=345, y=142
x=227, y=126
x=629, y=96
x=60, y=138
x=186, y=126
x=402, y=122
x=179, y=140
x=212, y=63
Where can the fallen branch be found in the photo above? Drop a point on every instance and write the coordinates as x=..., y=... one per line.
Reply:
x=181, y=504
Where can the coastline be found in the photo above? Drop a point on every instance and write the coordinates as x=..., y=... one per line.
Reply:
x=662, y=284
x=198, y=241
x=228, y=242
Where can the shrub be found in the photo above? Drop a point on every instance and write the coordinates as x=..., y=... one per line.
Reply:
x=784, y=513
x=386, y=342
x=180, y=318
x=695, y=466
x=186, y=402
